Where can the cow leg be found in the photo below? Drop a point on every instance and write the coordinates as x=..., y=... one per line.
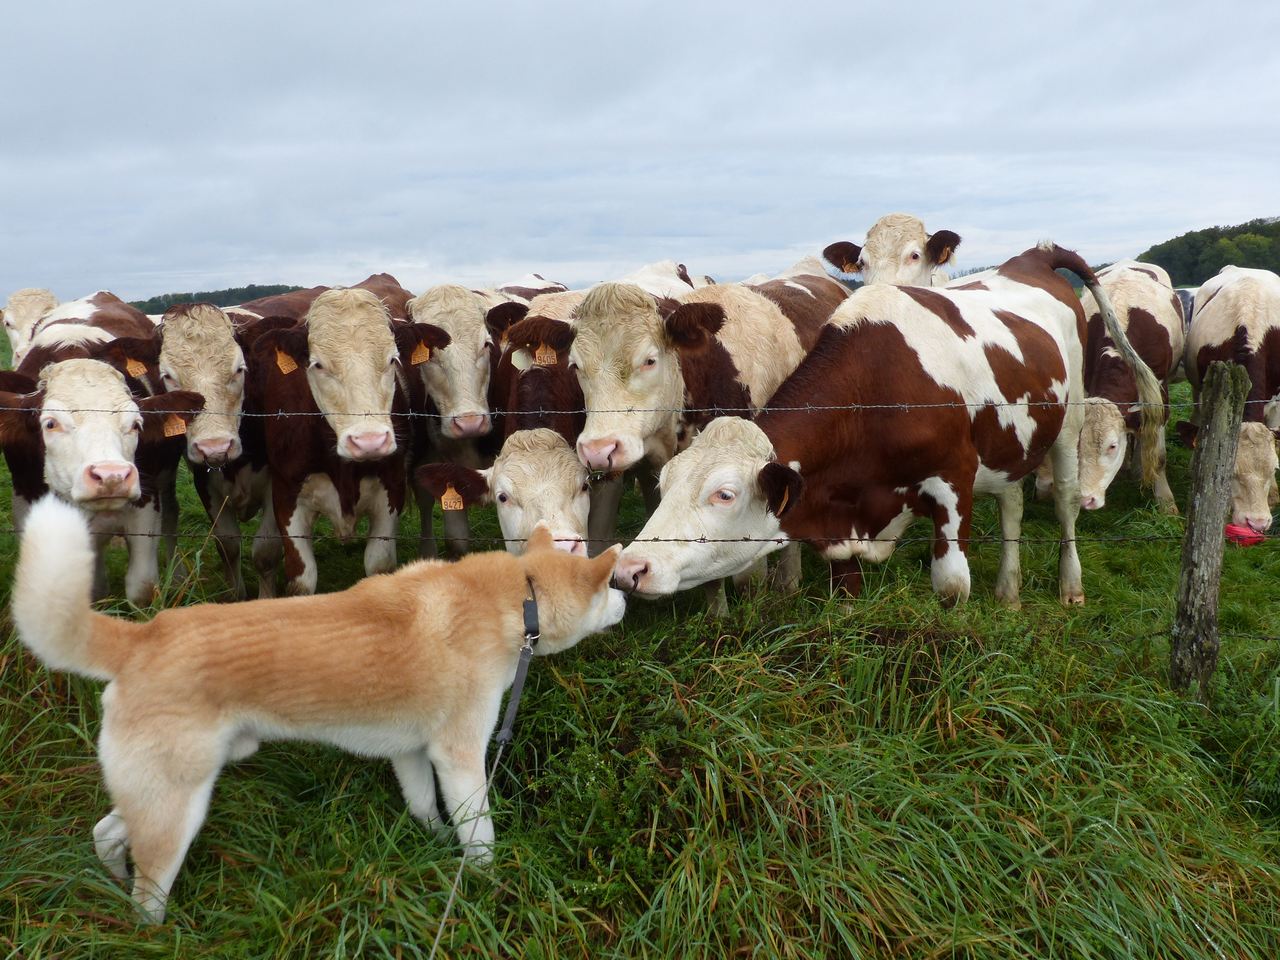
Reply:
x=846, y=577
x=648, y=481
x=1044, y=481
x=167, y=484
x=1009, y=579
x=457, y=532
x=268, y=551
x=1160, y=486
x=101, y=588
x=300, y=574
x=226, y=528
x=1066, y=503
x=752, y=577
x=143, y=527
x=785, y=577
x=952, y=504
x=717, y=599
x=426, y=533
x=602, y=520
x=380, y=547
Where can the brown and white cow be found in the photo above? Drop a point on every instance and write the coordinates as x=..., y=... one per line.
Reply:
x=80, y=431
x=1151, y=316
x=296, y=303
x=536, y=478
x=913, y=400
x=897, y=250
x=336, y=428
x=21, y=312
x=1237, y=319
x=529, y=286
x=806, y=294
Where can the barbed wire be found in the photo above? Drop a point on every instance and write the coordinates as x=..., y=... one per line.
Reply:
x=720, y=410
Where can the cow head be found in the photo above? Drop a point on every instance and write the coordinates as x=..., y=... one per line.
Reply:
x=630, y=377
x=897, y=250
x=1253, y=482
x=88, y=425
x=722, y=503
x=20, y=314
x=457, y=379
x=1104, y=438
x=535, y=479
x=199, y=351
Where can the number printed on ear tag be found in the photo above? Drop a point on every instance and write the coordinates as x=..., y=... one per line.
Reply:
x=135, y=368
x=174, y=425
x=545, y=356
x=451, y=499
x=284, y=362
x=421, y=354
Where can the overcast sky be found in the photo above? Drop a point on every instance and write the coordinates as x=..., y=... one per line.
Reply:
x=149, y=147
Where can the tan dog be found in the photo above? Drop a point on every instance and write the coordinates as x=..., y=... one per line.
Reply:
x=410, y=665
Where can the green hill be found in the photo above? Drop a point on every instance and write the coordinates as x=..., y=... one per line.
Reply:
x=219, y=298
x=1194, y=257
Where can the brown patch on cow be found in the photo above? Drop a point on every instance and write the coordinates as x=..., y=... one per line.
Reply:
x=531, y=332
x=1261, y=363
x=942, y=307
x=807, y=313
x=548, y=397
x=1201, y=304
x=974, y=285
x=461, y=486
x=1149, y=273
x=1038, y=268
x=693, y=326
x=1107, y=375
x=712, y=384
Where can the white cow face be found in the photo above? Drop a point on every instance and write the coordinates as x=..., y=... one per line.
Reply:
x=457, y=379
x=20, y=314
x=1253, y=483
x=1104, y=438
x=898, y=251
x=88, y=426
x=725, y=487
x=630, y=379
x=199, y=352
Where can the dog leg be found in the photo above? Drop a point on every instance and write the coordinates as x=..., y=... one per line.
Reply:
x=418, y=784
x=162, y=825
x=462, y=779
x=111, y=843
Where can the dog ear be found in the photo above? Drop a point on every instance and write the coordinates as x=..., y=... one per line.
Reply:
x=781, y=487
x=540, y=539
x=601, y=567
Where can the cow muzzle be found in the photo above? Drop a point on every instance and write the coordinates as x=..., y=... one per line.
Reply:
x=214, y=452
x=372, y=445
x=598, y=454
x=108, y=480
x=468, y=425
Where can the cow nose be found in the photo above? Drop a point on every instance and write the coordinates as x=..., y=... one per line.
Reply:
x=213, y=451
x=471, y=425
x=1091, y=502
x=367, y=446
x=1259, y=524
x=629, y=572
x=597, y=454
x=571, y=543
x=110, y=479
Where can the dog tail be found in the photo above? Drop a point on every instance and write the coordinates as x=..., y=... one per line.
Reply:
x=52, y=592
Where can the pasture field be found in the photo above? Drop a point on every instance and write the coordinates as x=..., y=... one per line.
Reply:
x=800, y=779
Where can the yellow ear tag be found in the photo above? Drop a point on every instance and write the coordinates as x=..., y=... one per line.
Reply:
x=174, y=425
x=135, y=368
x=421, y=354
x=786, y=495
x=544, y=356
x=451, y=499
x=284, y=362
x=946, y=255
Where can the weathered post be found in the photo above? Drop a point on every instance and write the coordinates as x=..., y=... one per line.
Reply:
x=1193, y=648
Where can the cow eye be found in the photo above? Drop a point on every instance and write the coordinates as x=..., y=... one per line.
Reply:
x=650, y=361
x=49, y=423
x=573, y=366
x=586, y=486
x=136, y=426
x=503, y=498
x=723, y=496
x=915, y=256
x=317, y=365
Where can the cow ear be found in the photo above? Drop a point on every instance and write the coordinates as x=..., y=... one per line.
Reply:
x=500, y=318
x=691, y=326
x=1133, y=418
x=166, y=415
x=940, y=246
x=18, y=409
x=286, y=349
x=843, y=255
x=1187, y=432
x=540, y=539
x=135, y=357
x=416, y=341
x=450, y=482
x=781, y=487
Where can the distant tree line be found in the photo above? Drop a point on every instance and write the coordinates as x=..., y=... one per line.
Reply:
x=1194, y=257
x=219, y=298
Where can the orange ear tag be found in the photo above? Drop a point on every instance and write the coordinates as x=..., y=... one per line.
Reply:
x=284, y=362
x=786, y=495
x=451, y=499
x=135, y=368
x=421, y=354
x=174, y=425
x=544, y=356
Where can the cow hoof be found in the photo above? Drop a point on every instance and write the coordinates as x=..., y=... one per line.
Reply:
x=1009, y=602
x=1169, y=508
x=1075, y=599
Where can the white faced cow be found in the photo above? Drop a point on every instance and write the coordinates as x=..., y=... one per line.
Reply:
x=897, y=250
x=21, y=313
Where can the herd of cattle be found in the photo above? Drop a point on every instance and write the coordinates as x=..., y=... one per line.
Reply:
x=753, y=415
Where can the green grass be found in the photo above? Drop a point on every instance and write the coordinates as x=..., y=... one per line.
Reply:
x=800, y=779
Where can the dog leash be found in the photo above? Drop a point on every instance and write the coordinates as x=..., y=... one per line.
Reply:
x=532, y=633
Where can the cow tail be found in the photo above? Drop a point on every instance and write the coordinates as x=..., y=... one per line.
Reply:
x=1150, y=397
x=52, y=591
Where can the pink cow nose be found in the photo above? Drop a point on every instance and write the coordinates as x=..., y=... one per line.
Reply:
x=571, y=543
x=110, y=479
x=1090, y=502
x=213, y=451
x=471, y=425
x=597, y=454
x=370, y=446
x=630, y=572
x=1259, y=524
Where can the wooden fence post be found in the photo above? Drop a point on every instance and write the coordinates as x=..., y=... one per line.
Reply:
x=1193, y=647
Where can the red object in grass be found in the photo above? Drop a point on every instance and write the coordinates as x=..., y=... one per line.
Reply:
x=1243, y=536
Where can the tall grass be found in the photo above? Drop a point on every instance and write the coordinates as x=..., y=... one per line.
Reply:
x=803, y=778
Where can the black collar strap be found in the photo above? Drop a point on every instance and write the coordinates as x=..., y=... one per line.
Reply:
x=531, y=630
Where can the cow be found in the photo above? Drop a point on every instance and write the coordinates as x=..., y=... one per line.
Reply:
x=806, y=294
x=21, y=312
x=897, y=250
x=1237, y=319
x=1151, y=317
x=913, y=400
x=296, y=303
x=79, y=430
x=336, y=427
x=536, y=477
x=529, y=286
